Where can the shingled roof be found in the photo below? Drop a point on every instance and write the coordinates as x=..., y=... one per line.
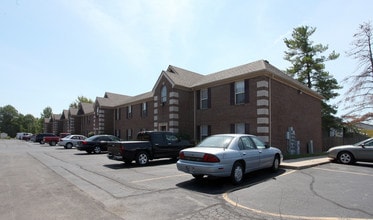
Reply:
x=194, y=81
x=73, y=111
x=179, y=77
x=85, y=108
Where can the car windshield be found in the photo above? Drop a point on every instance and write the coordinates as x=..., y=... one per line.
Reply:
x=68, y=136
x=367, y=142
x=216, y=142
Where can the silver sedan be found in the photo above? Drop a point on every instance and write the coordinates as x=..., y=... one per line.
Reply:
x=348, y=154
x=71, y=140
x=228, y=155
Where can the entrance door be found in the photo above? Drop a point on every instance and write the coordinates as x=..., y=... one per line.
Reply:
x=163, y=126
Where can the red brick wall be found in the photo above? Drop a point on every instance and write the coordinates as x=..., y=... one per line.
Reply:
x=222, y=114
x=292, y=108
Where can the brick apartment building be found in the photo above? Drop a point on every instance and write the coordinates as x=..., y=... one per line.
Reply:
x=255, y=98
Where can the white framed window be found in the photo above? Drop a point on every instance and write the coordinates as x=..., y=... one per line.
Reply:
x=129, y=111
x=129, y=134
x=164, y=94
x=117, y=114
x=144, y=109
x=204, y=131
x=239, y=92
x=239, y=128
x=204, y=98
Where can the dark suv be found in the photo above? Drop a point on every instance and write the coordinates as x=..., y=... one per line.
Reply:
x=39, y=137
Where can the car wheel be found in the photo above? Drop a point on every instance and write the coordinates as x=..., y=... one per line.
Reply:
x=69, y=146
x=237, y=173
x=276, y=164
x=142, y=158
x=345, y=157
x=42, y=142
x=198, y=176
x=53, y=143
x=97, y=149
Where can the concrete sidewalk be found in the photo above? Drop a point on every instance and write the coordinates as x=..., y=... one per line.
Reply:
x=302, y=163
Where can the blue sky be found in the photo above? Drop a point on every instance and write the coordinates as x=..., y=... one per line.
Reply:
x=51, y=52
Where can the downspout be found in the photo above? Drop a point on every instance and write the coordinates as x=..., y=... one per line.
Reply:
x=270, y=109
x=194, y=115
x=115, y=115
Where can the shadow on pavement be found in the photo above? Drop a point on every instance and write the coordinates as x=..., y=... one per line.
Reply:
x=214, y=185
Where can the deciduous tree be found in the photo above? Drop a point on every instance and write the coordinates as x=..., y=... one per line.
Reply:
x=80, y=99
x=358, y=99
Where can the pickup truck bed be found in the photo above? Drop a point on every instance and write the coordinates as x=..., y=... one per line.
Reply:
x=151, y=145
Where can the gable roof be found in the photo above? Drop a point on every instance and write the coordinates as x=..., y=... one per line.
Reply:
x=179, y=77
x=85, y=108
x=65, y=114
x=189, y=80
x=73, y=111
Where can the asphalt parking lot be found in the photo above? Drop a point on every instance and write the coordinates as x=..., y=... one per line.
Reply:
x=159, y=191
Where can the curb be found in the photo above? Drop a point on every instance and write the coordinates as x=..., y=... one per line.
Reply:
x=304, y=164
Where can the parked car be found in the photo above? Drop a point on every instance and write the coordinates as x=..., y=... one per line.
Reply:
x=71, y=140
x=349, y=154
x=149, y=145
x=96, y=144
x=23, y=135
x=53, y=140
x=27, y=136
x=39, y=137
x=228, y=155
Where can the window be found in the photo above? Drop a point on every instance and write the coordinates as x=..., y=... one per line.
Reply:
x=129, y=134
x=239, y=92
x=245, y=143
x=171, y=138
x=204, y=131
x=129, y=111
x=144, y=109
x=117, y=133
x=239, y=128
x=117, y=114
x=259, y=144
x=204, y=99
x=164, y=94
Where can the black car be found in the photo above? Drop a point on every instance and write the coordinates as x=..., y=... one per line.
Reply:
x=96, y=143
x=39, y=137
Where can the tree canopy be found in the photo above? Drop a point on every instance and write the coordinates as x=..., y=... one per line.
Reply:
x=358, y=99
x=308, y=67
x=80, y=99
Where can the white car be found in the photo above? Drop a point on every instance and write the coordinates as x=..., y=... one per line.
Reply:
x=71, y=140
x=228, y=155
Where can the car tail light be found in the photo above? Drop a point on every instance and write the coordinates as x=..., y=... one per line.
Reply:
x=122, y=149
x=210, y=158
x=84, y=142
x=181, y=155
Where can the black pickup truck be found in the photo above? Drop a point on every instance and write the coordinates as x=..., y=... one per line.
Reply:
x=149, y=145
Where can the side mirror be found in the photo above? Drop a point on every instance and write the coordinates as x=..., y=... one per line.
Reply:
x=362, y=145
